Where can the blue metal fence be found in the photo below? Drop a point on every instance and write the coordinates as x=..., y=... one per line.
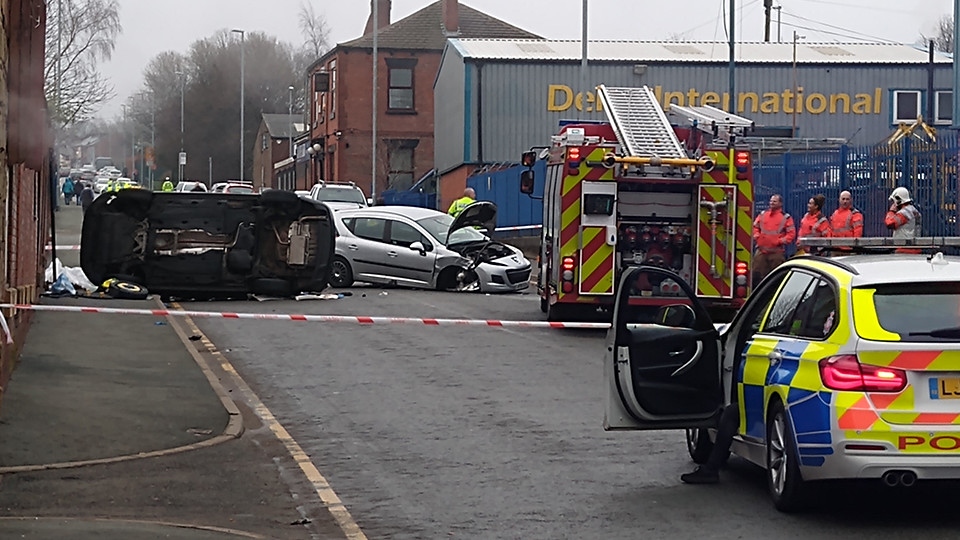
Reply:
x=928, y=170
x=422, y=199
x=514, y=209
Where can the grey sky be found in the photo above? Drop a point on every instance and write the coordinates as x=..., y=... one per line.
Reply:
x=153, y=27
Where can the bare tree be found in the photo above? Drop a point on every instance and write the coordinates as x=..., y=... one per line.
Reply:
x=79, y=35
x=315, y=31
x=942, y=36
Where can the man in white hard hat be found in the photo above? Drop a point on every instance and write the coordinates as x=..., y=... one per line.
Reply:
x=903, y=218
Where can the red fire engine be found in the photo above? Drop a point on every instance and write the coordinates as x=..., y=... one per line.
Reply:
x=639, y=190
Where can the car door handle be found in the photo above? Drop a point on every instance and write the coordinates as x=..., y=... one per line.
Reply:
x=775, y=356
x=353, y=247
x=690, y=363
x=391, y=254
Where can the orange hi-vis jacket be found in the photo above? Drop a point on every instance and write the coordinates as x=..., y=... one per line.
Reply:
x=846, y=223
x=773, y=230
x=814, y=225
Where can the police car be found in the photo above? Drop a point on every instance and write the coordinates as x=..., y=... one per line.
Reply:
x=842, y=368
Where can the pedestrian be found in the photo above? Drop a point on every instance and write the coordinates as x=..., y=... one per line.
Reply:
x=77, y=189
x=813, y=224
x=846, y=221
x=85, y=199
x=67, y=190
x=903, y=218
x=773, y=231
x=167, y=185
x=469, y=196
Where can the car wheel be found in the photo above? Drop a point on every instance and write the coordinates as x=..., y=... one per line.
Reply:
x=784, y=481
x=127, y=291
x=284, y=201
x=340, y=273
x=239, y=261
x=699, y=445
x=271, y=286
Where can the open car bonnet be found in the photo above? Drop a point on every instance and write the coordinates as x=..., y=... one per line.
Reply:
x=479, y=214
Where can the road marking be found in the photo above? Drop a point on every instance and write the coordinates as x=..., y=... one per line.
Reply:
x=320, y=485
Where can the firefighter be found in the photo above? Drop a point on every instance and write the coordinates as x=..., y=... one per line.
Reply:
x=167, y=185
x=846, y=221
x=903, y=218
x=469, y=196
x=814, y=223
x=773, y=231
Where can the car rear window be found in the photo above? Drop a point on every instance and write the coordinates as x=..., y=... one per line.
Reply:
x=908, y=312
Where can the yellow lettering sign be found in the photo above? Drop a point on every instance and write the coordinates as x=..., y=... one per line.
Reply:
x=561, y=98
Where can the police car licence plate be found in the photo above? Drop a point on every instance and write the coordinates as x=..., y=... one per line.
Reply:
x=945, y=388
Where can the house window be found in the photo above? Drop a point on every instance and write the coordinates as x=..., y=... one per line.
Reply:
x=400, y=175
x=333, y=88
x=943, y=109
x=906, y=106
x=265, y=142
x=400, y=80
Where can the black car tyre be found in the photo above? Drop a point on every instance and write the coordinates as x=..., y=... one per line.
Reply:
x=127, y=291
x=699, y=445
x=272, y=286
x=784, y=481
x=341, y=275
x=133, y=202
x=239, y=261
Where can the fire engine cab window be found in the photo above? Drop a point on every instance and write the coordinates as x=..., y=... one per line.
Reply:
x=598, y=205
x=780, y=320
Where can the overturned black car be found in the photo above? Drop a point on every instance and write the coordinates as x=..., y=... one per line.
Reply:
x=209, y=245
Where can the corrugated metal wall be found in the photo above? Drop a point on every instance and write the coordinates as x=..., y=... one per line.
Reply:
x=448, y=113
x=517, y=105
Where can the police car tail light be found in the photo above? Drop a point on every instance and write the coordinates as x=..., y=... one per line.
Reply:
x=845, y=372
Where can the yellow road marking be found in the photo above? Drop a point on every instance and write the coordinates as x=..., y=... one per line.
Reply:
x=320, y=485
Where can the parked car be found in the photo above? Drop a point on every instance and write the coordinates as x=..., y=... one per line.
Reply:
x=343, y=195
x=209, y=245
x=232, y=187
x=841, y=368
x=190, y=186
x=420, y=247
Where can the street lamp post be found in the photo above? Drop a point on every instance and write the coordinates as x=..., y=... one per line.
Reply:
x=242, y=67
x=179, y=158
x=290, y=117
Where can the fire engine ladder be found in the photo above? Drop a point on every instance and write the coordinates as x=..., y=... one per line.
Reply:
x=713, y=120
x=638, y=120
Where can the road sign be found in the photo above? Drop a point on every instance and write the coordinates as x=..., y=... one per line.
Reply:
x=183, y=158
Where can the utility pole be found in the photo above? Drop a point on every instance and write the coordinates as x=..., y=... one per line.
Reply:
x=732, y=102
x=793, y=132
x=778, y=8
x=376, y=44
x=180, y=157
x=290, y=118
x=767, y=6
x=243, y=36
x=583, y=64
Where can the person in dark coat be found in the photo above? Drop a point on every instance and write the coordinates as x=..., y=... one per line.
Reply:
x=85, y=199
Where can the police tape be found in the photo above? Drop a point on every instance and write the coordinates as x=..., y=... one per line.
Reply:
x=350, y=319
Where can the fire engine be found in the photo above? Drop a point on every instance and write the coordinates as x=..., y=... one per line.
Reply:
x=639, y=190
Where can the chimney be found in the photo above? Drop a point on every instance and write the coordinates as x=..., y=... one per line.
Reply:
x=383, y=15
x=451, y=18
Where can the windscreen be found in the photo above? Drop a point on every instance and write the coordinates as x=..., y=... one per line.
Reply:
x=340, y=195
x=438, y=226
x=921, y=312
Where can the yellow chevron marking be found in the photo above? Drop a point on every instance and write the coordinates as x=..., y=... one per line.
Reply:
x=593, y=261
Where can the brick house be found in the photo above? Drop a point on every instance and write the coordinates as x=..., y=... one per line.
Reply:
x=272, y=147
x=409, y=53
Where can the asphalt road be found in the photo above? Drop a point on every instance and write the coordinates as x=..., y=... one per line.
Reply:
x=433, y=432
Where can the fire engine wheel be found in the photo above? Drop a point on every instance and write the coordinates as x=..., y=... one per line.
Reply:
x=559, y=313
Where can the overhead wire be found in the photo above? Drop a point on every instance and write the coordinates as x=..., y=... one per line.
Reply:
x=836, y=27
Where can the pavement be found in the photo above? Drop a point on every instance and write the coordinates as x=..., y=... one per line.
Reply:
x=124, y=426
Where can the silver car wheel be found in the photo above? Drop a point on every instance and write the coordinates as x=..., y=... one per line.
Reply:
x=777, y=455
x=340, y=274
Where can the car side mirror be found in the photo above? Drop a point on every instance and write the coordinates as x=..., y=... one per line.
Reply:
x=676, y=315
x=369, y=201
x=527, y=179
x=419, y=247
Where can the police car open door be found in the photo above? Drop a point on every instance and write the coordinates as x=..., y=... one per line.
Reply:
x=662, y=361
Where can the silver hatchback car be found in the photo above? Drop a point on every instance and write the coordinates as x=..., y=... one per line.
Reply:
x=424, y=248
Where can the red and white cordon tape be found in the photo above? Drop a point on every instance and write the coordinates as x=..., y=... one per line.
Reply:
x=351, y=319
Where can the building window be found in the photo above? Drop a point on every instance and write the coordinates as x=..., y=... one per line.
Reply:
x=400, y=160
x=265, y=142
x=400, y=81
x=906, y=106
x=943, y=108
x=333, y=88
